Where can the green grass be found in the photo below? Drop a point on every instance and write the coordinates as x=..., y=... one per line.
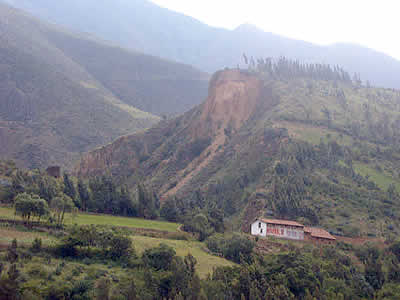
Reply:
x=87, y=219
x=24, y=237
x=381, y=179
x=8, y=213
x=205, y=261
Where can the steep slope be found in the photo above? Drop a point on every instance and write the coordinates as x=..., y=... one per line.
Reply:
x=142, y=25
x=61, y=94
x=149, y=83
x=306, y=145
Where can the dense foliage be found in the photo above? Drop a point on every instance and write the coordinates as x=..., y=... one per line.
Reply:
x=76, y=268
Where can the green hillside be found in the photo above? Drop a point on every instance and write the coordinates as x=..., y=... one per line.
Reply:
x=63, y=94
x=302, y=142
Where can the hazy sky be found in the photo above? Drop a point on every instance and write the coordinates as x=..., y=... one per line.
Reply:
x=374, y=24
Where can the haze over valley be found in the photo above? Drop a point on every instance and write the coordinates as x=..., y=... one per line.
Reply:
x=147, y=155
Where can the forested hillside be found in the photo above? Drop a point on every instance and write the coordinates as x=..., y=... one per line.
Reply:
x=63, y=94
x=305, y=142
x=142, y=25
x=50, y=250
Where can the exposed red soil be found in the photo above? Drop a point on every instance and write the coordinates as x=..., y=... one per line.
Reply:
x=232, y=99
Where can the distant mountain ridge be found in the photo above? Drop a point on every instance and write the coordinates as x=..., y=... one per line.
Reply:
x=62, y=94
x=142, y=25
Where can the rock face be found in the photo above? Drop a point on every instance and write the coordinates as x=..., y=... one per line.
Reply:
x=232, y=99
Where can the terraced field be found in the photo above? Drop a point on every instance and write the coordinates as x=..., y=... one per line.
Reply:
x=87, y=219
x=205, y=261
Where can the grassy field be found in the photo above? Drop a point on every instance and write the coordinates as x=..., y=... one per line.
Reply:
x=205, y=261
x=8, y=213
x=380, y=178
x=7, y=234
x=86, y=219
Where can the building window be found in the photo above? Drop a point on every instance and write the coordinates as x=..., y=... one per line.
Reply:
x=259, y=224
x=261, y=230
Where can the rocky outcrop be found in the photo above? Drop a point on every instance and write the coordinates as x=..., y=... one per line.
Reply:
x=232, y=99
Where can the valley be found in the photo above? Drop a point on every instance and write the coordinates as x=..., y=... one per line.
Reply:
x=65, y=93
x=145, y=155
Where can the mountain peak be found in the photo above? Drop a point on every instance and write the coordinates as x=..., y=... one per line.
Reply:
x=247, y=27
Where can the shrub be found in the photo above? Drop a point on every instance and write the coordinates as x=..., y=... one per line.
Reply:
x=159, y=258
x=235, y=247
x=120, y=247
x=36, y=245
x=199, y=224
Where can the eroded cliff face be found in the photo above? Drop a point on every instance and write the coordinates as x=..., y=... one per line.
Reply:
x=102, y=160
x=232, y=99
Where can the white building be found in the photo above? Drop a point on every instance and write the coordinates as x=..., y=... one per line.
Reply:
x=279, y=228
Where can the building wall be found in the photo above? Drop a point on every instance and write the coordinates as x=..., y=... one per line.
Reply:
x=286, y=232
x=317, y=240
x=259, y=228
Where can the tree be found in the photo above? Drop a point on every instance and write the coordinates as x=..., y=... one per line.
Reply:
x=36, y=245
x=28, y=206
x=69, y=188
x=146, y=203
x=60, y=205
x=169, y=210
x=239, y=247
x=84, y=194
x=120, y=247
x=48, y=188
x=40, y=207
x=24, y=206
x=159, y=258
x=374, y=274
x=216, y=219
x=125, y=203
x=199, y=224
x=12, y=254
x=246, y=61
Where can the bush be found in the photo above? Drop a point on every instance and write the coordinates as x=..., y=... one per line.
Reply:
x=198, y=224
x=235, y=247
x=36, y=245
x=159, y=258
x=120, y=247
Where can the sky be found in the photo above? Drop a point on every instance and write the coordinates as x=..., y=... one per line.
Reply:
x=374, y=24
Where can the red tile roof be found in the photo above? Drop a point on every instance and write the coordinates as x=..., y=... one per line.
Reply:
x=282, y=222
x=319, y=233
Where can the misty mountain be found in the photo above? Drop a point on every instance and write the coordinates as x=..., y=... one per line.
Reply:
x=62, y=94
x=142, y=25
